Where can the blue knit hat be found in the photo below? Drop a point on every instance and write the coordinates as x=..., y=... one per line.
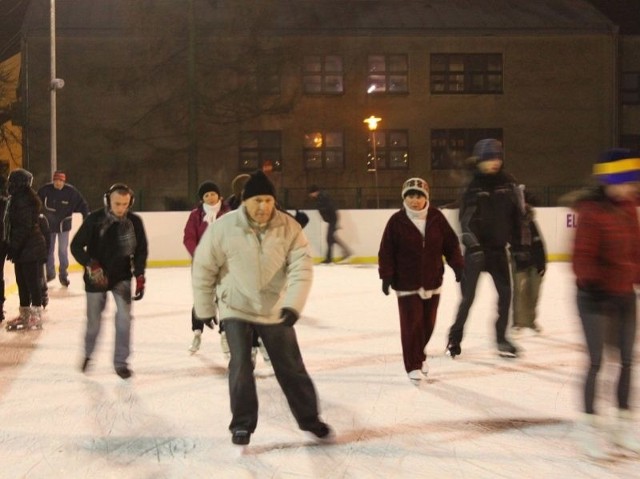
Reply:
x=617, y=165
x=488, y=149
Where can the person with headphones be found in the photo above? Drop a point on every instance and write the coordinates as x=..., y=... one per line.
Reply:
x=111, y=245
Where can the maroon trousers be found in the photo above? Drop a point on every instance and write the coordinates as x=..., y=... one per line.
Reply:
x=417, y=321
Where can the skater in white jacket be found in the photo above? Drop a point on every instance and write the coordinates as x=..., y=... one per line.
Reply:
x=256, y=262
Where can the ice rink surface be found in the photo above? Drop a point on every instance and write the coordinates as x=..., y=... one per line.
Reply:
x=478, y=416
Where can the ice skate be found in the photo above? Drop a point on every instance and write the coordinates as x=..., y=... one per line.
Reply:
x=195, y=343
x=588, y=432
x=415, y=375
x=623, y=433
x=20, y=323
x=425, y=368
x=453, y=348
x=507, y=350
x=35, y=318
x=240, y=437
x=321, y=432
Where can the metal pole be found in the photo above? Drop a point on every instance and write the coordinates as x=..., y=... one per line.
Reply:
x=375, y=168
x=53, y=89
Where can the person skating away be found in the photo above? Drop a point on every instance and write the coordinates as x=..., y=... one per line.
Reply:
x=330, y=215
x=410, y=261
x=253, y=270
x=60, y=201
x=26, y=248
x=111, y=245
x=528, y=265
x=606, y=263
x=209, y=209
x=491, y=217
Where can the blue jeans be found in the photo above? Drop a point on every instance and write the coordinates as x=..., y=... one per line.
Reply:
x=96, y=303
x=63, y=255
x=282, y=345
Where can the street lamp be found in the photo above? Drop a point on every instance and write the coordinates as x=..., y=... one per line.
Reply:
x=372, y=122
x=55, y=85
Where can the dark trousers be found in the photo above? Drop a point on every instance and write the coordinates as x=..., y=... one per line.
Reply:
x=496, y=263
x=282, y=345
x=28, y=278
x=332, y=239
x=417, y=321
x=610, y=320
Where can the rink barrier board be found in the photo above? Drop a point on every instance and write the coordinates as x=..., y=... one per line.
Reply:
x=360, y=229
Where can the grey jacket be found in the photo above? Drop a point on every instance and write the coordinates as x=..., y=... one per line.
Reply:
x=250, y=276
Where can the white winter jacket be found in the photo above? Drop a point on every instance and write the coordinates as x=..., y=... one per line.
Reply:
x=251, y=278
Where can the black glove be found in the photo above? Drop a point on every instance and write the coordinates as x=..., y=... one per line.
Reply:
x=541, y=272
x=288, y=316
x=385, y=286
x=139, y=287
x=459, y=272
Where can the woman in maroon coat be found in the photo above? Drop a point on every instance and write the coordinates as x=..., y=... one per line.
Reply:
x=606, y=262
x=211, y=207
x=410, y=261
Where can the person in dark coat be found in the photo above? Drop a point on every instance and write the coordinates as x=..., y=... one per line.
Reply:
x=111, y=245
x=211, y=207
x=60, y=200
x=606, y=264
x=26, y=248
x=491, y=218
x=410, y=261
x=329, y=214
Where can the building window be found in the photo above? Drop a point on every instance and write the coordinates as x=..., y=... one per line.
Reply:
x=391, y=149
x=268, y=79
x=466, y=73
x=451, y=148
x=631, y=88
x=323, y=74
x=323, y=150
x=260, y=149
x=388, y=74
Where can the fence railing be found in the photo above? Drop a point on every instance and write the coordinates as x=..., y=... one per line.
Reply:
x=368, y=198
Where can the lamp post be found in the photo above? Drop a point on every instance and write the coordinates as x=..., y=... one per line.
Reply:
x=55, y=85
x=372, y=122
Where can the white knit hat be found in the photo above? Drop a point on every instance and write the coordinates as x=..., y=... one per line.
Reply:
x=415, y=184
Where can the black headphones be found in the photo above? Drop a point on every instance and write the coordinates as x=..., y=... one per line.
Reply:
x=120, y=188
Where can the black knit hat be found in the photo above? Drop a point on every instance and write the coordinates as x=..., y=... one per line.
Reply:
x=206, y=187
x=258, y=184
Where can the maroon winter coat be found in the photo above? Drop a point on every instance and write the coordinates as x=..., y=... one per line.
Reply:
x=409, y=261
x=606, y=250
x=196, y=226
